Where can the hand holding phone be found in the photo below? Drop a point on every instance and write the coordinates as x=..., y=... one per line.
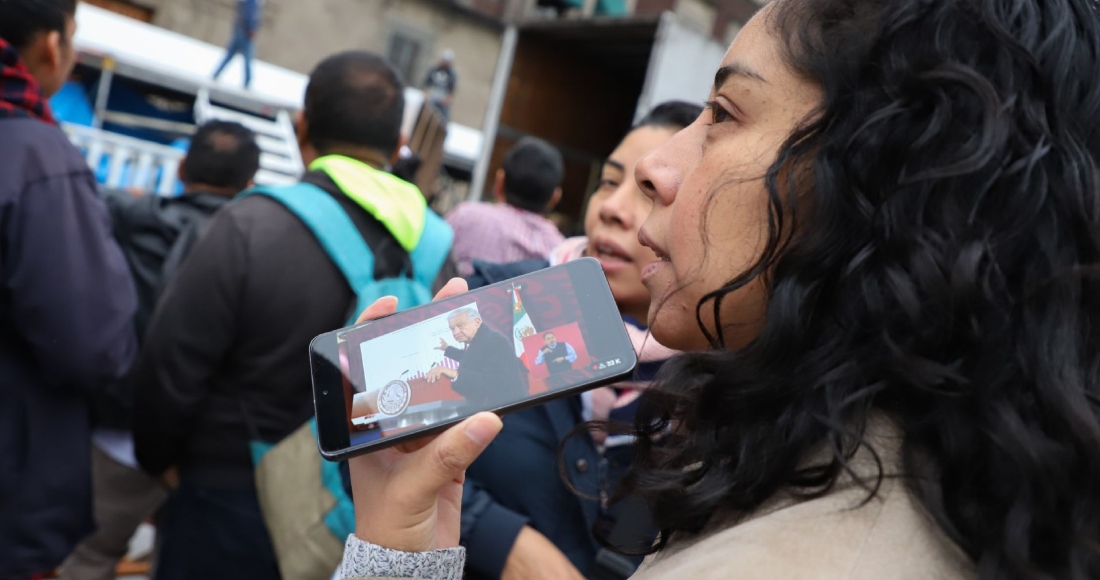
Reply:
x=409, y=497
x=518, y=343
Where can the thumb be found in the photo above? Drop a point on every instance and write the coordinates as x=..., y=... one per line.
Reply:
x=384, y=306
x=446, y=458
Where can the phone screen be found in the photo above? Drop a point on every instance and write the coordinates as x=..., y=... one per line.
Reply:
x=500, y=347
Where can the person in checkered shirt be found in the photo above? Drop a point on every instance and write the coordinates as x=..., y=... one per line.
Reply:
x=514, y=228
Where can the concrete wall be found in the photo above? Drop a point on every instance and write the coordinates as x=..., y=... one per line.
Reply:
x=298, y=33
x=719, y=18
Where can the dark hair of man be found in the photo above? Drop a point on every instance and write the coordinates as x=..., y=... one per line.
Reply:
x=533, y=169
x=355, y=99
x=671, y=115
x=21, y=20
x=549, y=334
x=222, y=154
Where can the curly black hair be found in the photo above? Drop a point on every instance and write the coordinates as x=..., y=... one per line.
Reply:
x=934, y=236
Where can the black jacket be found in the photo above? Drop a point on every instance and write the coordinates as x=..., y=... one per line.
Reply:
x=488, y=360
x=155, y=234
x=225, y=358
x=66, y=308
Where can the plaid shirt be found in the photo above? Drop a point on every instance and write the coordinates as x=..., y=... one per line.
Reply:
x=20, y=95
x=499, y=233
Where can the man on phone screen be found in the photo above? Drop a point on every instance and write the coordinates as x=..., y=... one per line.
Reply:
x=558, y=356
x=489, y=374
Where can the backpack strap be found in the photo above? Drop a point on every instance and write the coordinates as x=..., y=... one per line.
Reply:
x=332, y=227
x=432, y=250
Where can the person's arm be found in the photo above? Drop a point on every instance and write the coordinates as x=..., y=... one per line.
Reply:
x=481, y=370
x=460, y=221
x=455, y=354
x=189, y=334
x=452, y=85
x=408, y=499
x=448, y=272
x=119, y=202
x=71, y=292
x=570, y=354
x=540, y=356
x=489, y=530
x=366, y=561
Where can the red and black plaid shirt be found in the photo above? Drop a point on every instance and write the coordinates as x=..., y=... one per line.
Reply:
x=20, y=95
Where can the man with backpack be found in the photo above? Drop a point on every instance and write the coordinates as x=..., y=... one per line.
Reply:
x=225, y=357
x=155, y=233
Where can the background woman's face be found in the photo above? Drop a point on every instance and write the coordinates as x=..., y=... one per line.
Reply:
x=615, y=213
x=709, y=218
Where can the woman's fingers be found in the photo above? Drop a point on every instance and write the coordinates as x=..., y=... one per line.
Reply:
x=387, y=305
x=453, y=287
x=384, y=306
x=446, y=458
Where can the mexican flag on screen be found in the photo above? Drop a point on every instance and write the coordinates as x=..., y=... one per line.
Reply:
x=521, y=322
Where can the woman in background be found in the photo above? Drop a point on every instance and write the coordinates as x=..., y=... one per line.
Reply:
x=520, y=520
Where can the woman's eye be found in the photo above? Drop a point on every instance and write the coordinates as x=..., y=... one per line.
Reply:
x=717, y=113
x=607, y=183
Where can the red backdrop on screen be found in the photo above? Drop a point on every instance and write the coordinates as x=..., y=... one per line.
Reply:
x=570, y=333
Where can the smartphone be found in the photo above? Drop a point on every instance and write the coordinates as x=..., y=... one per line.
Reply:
x=525, y=341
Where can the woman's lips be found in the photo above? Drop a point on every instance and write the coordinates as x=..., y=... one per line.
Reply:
x=653, y=268
x=612, y=256
x=662, y=260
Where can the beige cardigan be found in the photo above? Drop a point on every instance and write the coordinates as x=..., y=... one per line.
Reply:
x=830, y=538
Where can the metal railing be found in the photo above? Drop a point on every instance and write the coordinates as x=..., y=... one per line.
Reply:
x=130, y=163
x=280, y=159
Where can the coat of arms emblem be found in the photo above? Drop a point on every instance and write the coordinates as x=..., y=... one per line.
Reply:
x=393, y=399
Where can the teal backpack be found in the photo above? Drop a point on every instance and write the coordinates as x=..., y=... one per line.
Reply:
x=307, y=511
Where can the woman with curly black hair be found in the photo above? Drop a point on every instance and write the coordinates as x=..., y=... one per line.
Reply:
x=882, y=242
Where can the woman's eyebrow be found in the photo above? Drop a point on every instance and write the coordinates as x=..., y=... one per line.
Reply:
x=615, y=164
x=735, y=69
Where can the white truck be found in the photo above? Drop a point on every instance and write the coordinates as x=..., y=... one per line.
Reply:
x=139, y=91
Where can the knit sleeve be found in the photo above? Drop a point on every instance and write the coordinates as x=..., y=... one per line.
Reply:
x=366, y=561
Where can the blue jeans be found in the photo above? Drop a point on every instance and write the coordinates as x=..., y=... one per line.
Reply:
x=211, y=534
x=240, y=44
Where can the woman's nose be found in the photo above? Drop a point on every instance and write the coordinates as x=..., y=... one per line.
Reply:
x=660, y=172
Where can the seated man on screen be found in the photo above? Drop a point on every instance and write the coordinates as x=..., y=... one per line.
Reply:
x=558, y=356
x=489, y=374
